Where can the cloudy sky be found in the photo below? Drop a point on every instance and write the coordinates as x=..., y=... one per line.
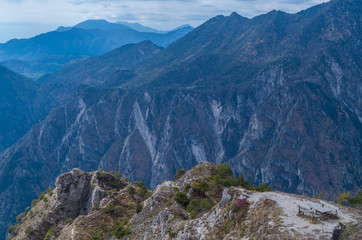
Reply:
x=26, y=18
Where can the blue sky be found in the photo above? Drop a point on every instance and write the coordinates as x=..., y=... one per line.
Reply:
x=26, y=18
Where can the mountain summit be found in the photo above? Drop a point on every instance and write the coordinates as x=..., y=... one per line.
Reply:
x=200, y=205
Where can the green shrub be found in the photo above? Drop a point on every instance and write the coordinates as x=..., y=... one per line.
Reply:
x=109, y=192
x=50, y=233
x=19, y=218
x=243, y=183
x=229, y=181
x=182, y=199
x=34, y=202
x=131, y=190
x=139, y=184
x=201, y=185
x=318, y=196
x=113, y=209
x=49, y=191
x=115, y=185
x=143, y=190
x=96, y=236
x=357, y=200
x=193, y=214
x=109, y=208
x=225, y=178
x=172, y=234
x=206, y=204
x=116, y=174
x=262, y=188
x=149, y=194
x=349, y=200
x=102, y=224
x=69, y=220
x=119, y=230
x=102, y=175
x=179, y=173
x=127, y=231
x=30, y=213
x=224, y=170
x=194, y=205
x=343, y=198
x=138, y=208
x=28, y=230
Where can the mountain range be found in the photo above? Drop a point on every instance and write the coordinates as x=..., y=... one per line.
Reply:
x=48, y=52
x=278, y=97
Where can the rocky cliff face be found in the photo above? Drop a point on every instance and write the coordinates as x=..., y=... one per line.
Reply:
x=277, y=96
x=81, y=208
x=76, y=193
x=24, y=102
x=19, y=106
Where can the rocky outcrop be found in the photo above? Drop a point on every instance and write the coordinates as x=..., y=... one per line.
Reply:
x=215, y=212
x=76, y=193
x=79, y=192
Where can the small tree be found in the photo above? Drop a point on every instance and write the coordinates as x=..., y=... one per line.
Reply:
x=201, y=186
x=349, y=200
x=131, y=190
x=182, y=198
x=180, y=173
x=343, y=198
x=224, y=170
x=357, y=200
x=243, y=183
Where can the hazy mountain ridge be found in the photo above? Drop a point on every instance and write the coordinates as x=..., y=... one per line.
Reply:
x=104, y=71
x=87, y=39
x=277, y=96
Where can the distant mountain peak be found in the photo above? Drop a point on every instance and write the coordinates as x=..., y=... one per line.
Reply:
x=183, y=26
x=234, y=14
x=100, y=24
x=140, y=28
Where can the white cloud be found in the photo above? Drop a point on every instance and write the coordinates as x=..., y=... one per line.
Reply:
x=38, y=15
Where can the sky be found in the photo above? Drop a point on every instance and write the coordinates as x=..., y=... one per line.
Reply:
x=27, y=18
